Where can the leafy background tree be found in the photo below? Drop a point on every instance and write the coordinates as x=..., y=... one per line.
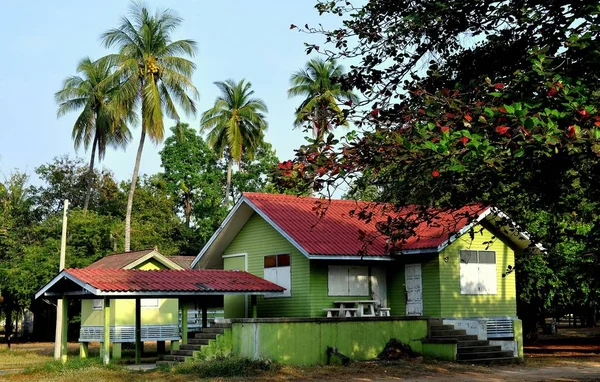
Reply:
x=478, y=101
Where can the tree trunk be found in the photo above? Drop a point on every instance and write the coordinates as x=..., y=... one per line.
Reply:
x=136, y=169
x=8, y=324
x=228, y=186
x=188, y=208
x=90, y=174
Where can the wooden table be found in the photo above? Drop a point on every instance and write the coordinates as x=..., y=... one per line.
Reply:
x=366, y=308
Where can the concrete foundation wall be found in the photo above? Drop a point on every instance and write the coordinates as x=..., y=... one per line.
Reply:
x=305, y=341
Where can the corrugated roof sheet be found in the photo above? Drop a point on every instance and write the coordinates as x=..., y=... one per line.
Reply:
x=187, y=280
x=184, y=262
x=339, y=231
x=119, y=260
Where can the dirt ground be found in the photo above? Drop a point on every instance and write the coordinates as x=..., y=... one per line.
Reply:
x=570, y=355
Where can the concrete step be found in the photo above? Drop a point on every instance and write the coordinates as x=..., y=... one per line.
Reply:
x=491, y=361
x=190, y=347
x=176, y=358
x=206, y=336
x=448, y=333
x=442, y=327
x=459, y=338
x=212, y=330
x=184, y=352
x=484, y=355
x=478, y=349
x=476, y=342
x=167, y=363
x=197, y=341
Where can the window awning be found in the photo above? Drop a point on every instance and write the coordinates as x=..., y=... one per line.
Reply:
x=131, y=283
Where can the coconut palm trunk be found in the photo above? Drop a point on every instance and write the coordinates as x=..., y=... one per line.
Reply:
x=229, y=174
x=136, y=170
x=90, y=176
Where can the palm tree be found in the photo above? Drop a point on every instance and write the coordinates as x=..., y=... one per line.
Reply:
x=154, y=74
x=316, y=83
x=235, y=124
x=99, y=123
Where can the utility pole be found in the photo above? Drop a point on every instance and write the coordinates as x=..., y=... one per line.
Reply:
x=59, y=352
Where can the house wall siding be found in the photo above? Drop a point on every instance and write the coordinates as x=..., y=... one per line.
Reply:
x=455, y=304
x=259, y=239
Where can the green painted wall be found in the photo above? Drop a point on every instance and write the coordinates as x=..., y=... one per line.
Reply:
x=234, y=306
x=258, y=239
x=440, y=351
x=305, y=343
x=455, y=304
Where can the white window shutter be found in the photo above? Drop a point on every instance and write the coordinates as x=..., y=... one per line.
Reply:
x=469, y=278
x=488, y=279
x=337, y=280
x=271, y=275
x=284, y=279
x=358, y=281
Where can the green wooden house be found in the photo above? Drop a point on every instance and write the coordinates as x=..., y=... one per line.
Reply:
x=456, y=268
x=160, y=316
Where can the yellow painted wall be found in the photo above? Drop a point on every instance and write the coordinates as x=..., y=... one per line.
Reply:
x=455, y=304
x=123, y=311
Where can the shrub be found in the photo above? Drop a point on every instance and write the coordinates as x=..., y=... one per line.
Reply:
x=226, y=367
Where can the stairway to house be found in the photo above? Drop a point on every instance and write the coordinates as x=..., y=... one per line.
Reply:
x=469, y=348
x=195, y=342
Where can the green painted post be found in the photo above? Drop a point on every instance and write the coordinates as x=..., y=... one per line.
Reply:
x=83, y=350
x=106, y=343
x=138, y=332
x=63, y=335
x=254, y=306
x=116, y=349
x=184, y=323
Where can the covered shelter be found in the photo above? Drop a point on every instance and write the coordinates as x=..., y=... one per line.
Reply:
x=185, y=285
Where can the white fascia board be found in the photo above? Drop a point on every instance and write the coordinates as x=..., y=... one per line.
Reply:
x=277, y=228
x=158, y=256
x=65, y=275
x=215, y=235
x=465, y=229
x=182, y=293
x=359, y=258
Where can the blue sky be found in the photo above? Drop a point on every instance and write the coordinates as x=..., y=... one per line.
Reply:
x=237, y=39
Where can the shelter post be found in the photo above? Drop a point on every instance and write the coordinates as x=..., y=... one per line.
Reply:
x=106, y=343
x=184, y=323
x=138, y=331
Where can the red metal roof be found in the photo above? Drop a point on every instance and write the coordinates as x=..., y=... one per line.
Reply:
x=187, y=280
x=337, y=232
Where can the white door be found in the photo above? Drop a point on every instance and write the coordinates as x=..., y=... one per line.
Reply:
x=414, y=290
x=379, y=285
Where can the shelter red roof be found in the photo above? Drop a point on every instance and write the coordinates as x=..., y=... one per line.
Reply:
x=187, y=280
x=339, y=231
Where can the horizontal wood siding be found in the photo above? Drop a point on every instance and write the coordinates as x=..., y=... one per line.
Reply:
x=259, y=239
x=430, y=269
x=396, y=289
x=455, y=304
